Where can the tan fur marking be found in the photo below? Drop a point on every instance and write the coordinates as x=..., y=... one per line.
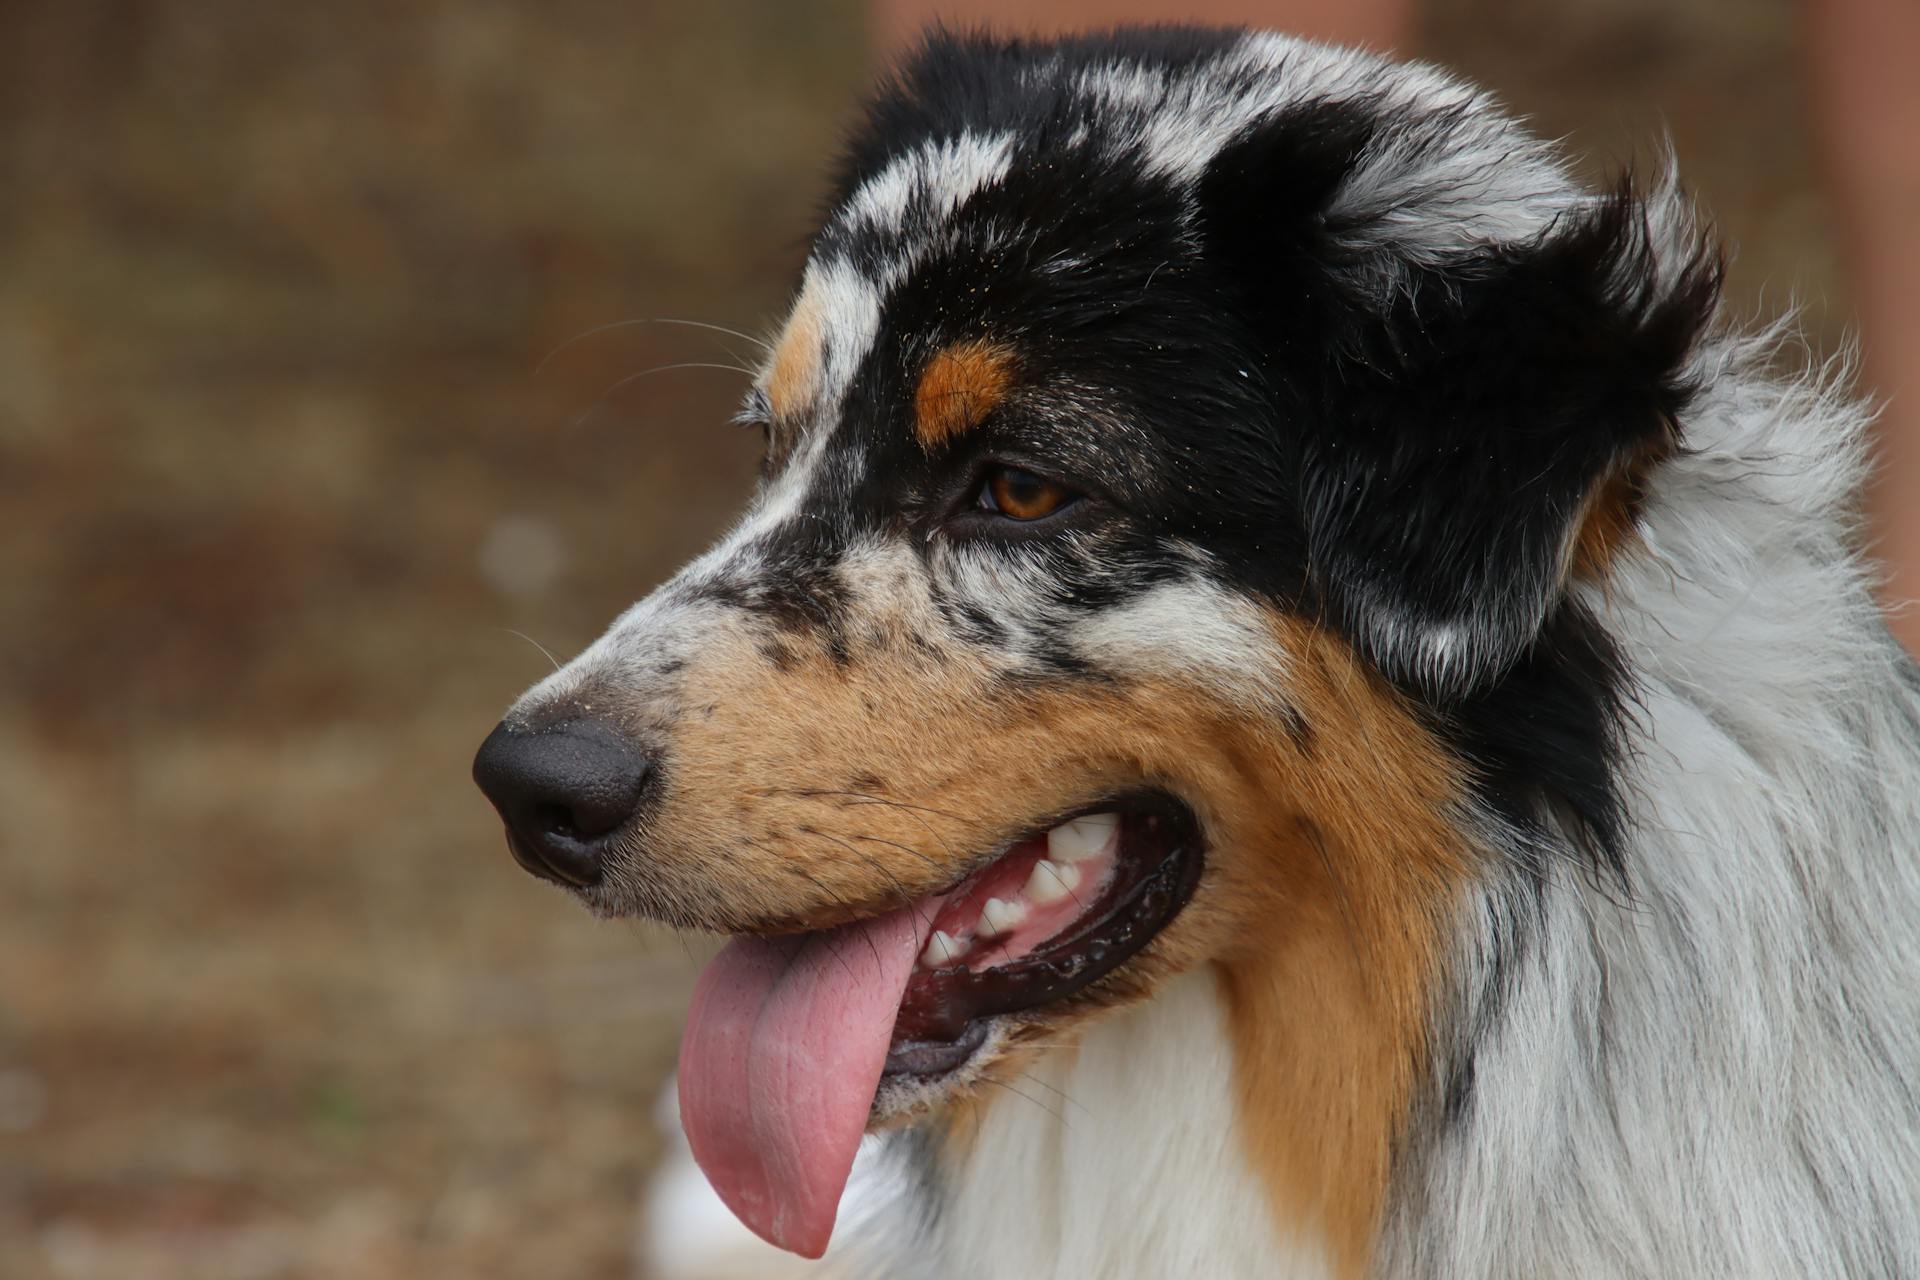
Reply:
x=796, y=360
x=1328, y=1002
x=959, y=386
x=1608, y=525
x=1606, y=529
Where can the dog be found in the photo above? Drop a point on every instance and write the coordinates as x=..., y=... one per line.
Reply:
x=1294, y=700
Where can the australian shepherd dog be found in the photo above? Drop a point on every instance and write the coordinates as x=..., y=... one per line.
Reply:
x=1292, y=701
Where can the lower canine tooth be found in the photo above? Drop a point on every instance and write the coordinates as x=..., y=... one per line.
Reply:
x=942, y=949
x=999, y=916
x=1051, y=881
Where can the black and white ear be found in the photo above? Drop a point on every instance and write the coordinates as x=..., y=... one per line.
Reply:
x=1461, y=417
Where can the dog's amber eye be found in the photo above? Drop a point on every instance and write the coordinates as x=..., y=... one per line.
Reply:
x=1022, y=495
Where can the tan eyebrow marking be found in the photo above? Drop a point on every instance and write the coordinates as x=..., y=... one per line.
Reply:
x=959, y=386
x=795, y=374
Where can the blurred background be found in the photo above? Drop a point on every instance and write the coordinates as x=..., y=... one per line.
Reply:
x=314, y=433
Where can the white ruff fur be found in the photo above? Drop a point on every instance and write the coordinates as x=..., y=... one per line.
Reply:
x=1110, y=1161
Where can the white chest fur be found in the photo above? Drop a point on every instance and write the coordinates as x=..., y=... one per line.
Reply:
x=1122, y=1159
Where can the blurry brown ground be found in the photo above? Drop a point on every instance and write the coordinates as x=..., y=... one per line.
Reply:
x=281, y=471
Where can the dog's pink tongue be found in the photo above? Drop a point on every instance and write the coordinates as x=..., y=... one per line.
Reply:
x=783, y=1050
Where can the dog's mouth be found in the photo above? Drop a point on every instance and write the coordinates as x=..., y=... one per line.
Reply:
x=1044, y=921
x=791, y=1038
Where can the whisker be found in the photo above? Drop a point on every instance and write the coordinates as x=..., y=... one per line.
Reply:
x=900, y=890
x=904, y=848
x=1055, y=1090
x=866, y=797
x=544, y=651
x=815, y=881
x=861, y=797
x=1002, y=1084
x=647, y=373
x=627, y=324
x=844, y=904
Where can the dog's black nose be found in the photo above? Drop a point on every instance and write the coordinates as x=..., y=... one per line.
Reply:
x=562, y=792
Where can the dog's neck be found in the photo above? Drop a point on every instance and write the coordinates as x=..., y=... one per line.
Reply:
x=1116, y=1158
x=1709, y=1069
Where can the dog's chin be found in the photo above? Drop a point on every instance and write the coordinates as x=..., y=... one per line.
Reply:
x=1042, y=936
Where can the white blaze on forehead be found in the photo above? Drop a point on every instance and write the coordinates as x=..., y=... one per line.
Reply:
x=938, y=177
x=836, y=317
x=1447, y=174
x=848, y=307
x=1186, y=118
x=837, y=314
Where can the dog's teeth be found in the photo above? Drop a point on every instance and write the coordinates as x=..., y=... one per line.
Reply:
x=1082, y=838
x=1051, y=881
x=942, y=949
x=999, y=916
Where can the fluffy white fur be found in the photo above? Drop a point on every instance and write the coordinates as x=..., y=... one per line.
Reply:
x=1134, y=1117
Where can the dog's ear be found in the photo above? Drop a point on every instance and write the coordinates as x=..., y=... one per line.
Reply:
x=1471, y=413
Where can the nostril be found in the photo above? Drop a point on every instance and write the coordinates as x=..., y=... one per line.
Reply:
x=558, y=820
x=561, y=792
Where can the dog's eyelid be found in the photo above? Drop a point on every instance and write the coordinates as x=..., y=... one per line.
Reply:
x=1070, y=479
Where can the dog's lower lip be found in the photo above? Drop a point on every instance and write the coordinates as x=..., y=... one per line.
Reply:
x=935, y=1057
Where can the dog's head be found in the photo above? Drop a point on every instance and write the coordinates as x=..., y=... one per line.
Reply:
x=1181, y=455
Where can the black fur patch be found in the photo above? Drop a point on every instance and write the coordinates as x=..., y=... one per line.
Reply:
x=1447, y=443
